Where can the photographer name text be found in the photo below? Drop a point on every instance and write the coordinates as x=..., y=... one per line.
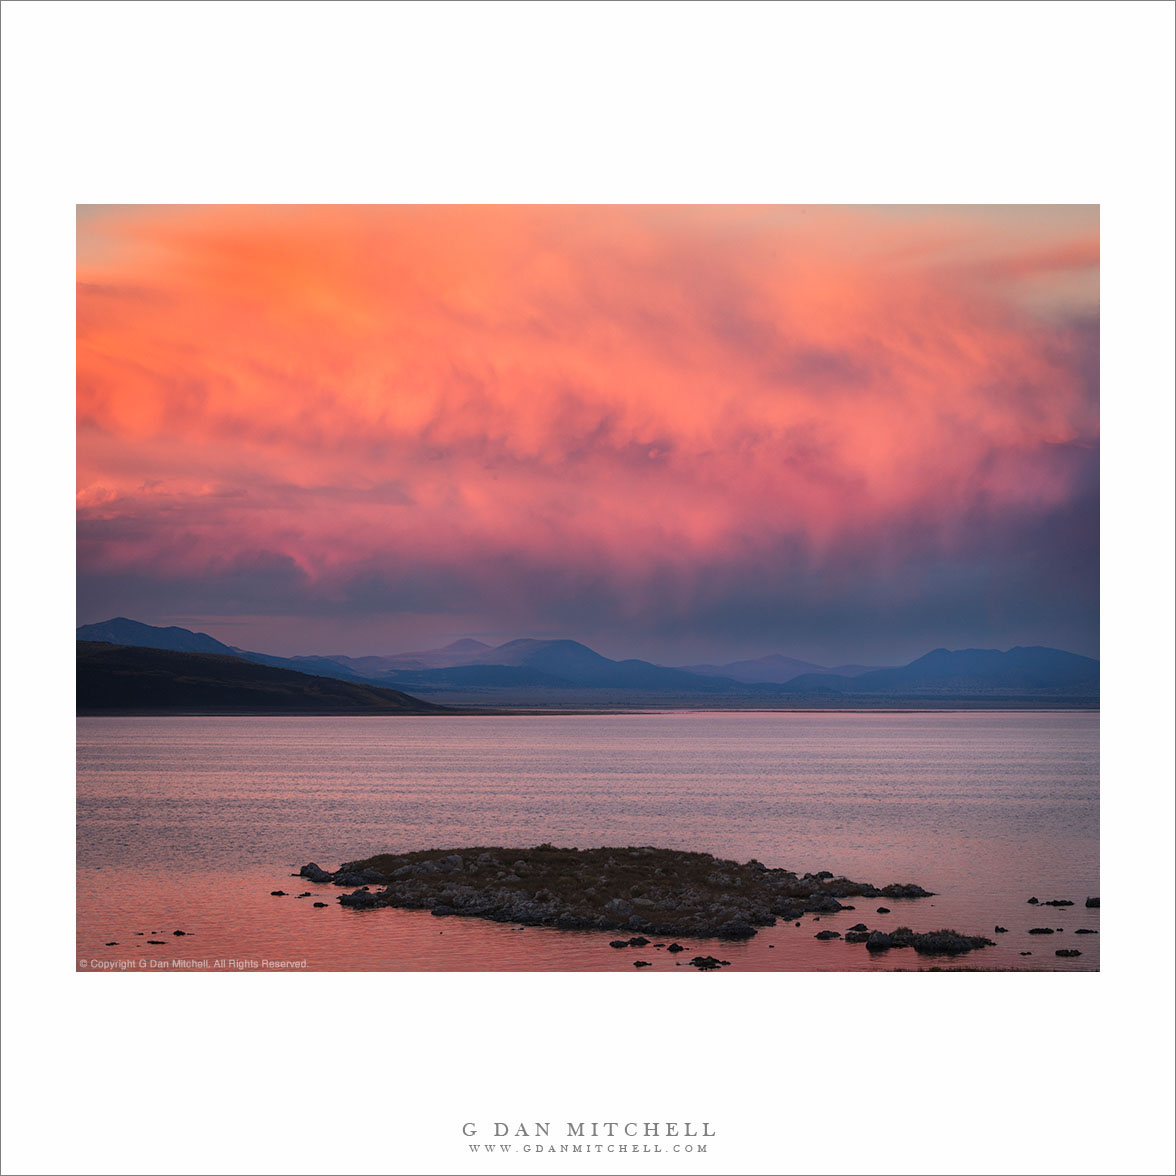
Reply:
x=607, y=1135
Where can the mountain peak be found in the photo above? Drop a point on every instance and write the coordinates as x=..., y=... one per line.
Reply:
x=465, y=645
x=124, y=631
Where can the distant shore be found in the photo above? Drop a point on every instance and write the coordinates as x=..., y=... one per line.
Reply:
x=523, y=712
x=145, y=680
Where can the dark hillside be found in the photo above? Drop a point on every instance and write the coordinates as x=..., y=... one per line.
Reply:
x=121, y=679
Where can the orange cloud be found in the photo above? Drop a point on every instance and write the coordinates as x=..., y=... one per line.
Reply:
x=632, y=392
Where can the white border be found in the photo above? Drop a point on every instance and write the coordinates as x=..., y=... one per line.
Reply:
x=635, y=102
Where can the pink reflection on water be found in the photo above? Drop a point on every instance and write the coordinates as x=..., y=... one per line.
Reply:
x=189, y=824
x=234, y=923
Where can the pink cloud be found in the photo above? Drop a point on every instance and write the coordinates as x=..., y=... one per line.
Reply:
x=616, y=390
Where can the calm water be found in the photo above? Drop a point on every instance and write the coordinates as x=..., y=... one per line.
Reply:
x=189, y=823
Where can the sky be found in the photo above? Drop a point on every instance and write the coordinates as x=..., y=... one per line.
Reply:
x=682, y=433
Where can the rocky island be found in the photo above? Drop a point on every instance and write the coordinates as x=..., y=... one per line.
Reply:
x=663, y=892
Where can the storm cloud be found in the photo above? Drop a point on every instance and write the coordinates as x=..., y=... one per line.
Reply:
x=681, y=433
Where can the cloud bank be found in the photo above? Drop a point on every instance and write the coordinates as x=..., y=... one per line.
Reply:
x=674, y=432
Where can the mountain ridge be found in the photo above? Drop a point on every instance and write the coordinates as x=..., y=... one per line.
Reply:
x=775, y=667
x=562, y=668
x=1021, y=668
x=135, y=679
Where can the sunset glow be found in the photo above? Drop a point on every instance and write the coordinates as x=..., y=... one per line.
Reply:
x=683, y=432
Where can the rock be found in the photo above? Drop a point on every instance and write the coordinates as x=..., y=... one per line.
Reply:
x=883, y=910
x=1032, y=902
x=638, y=941
x=822, y=902
x=642, y=964
x=647, y=892
x=942, y=942
x=1041, y=930
x=569, y=922
x=362, y=899
x=859, y=927
x=1067, y=952
x=1085, y=931
x=179, y=932
x=857, y=936
x=786, y=908
x=708, y=963
x=906, y=890
x=1057, y=902
x=1000, y=930
x=827, y=935
x=1092, y=902
x=278, y=893
x=675, y=947
x=159, y=942
x=1026, y=953
x=305, y=894
x=320, y=904
x=947, y=943
x=315, y=873
x=618, y=943
x=736, y=929
x=360, y=877
x=113, y=943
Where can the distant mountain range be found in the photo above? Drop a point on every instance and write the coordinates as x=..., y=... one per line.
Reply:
x=457, y=653
x=775, y=668
x=530, y=672
x=1023, y=670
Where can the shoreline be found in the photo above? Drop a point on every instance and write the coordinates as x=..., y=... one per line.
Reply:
x=523, y=712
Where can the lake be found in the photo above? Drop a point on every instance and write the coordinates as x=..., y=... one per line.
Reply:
x=189, y=824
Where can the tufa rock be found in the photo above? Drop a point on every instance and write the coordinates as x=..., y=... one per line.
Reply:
x=315, y=873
